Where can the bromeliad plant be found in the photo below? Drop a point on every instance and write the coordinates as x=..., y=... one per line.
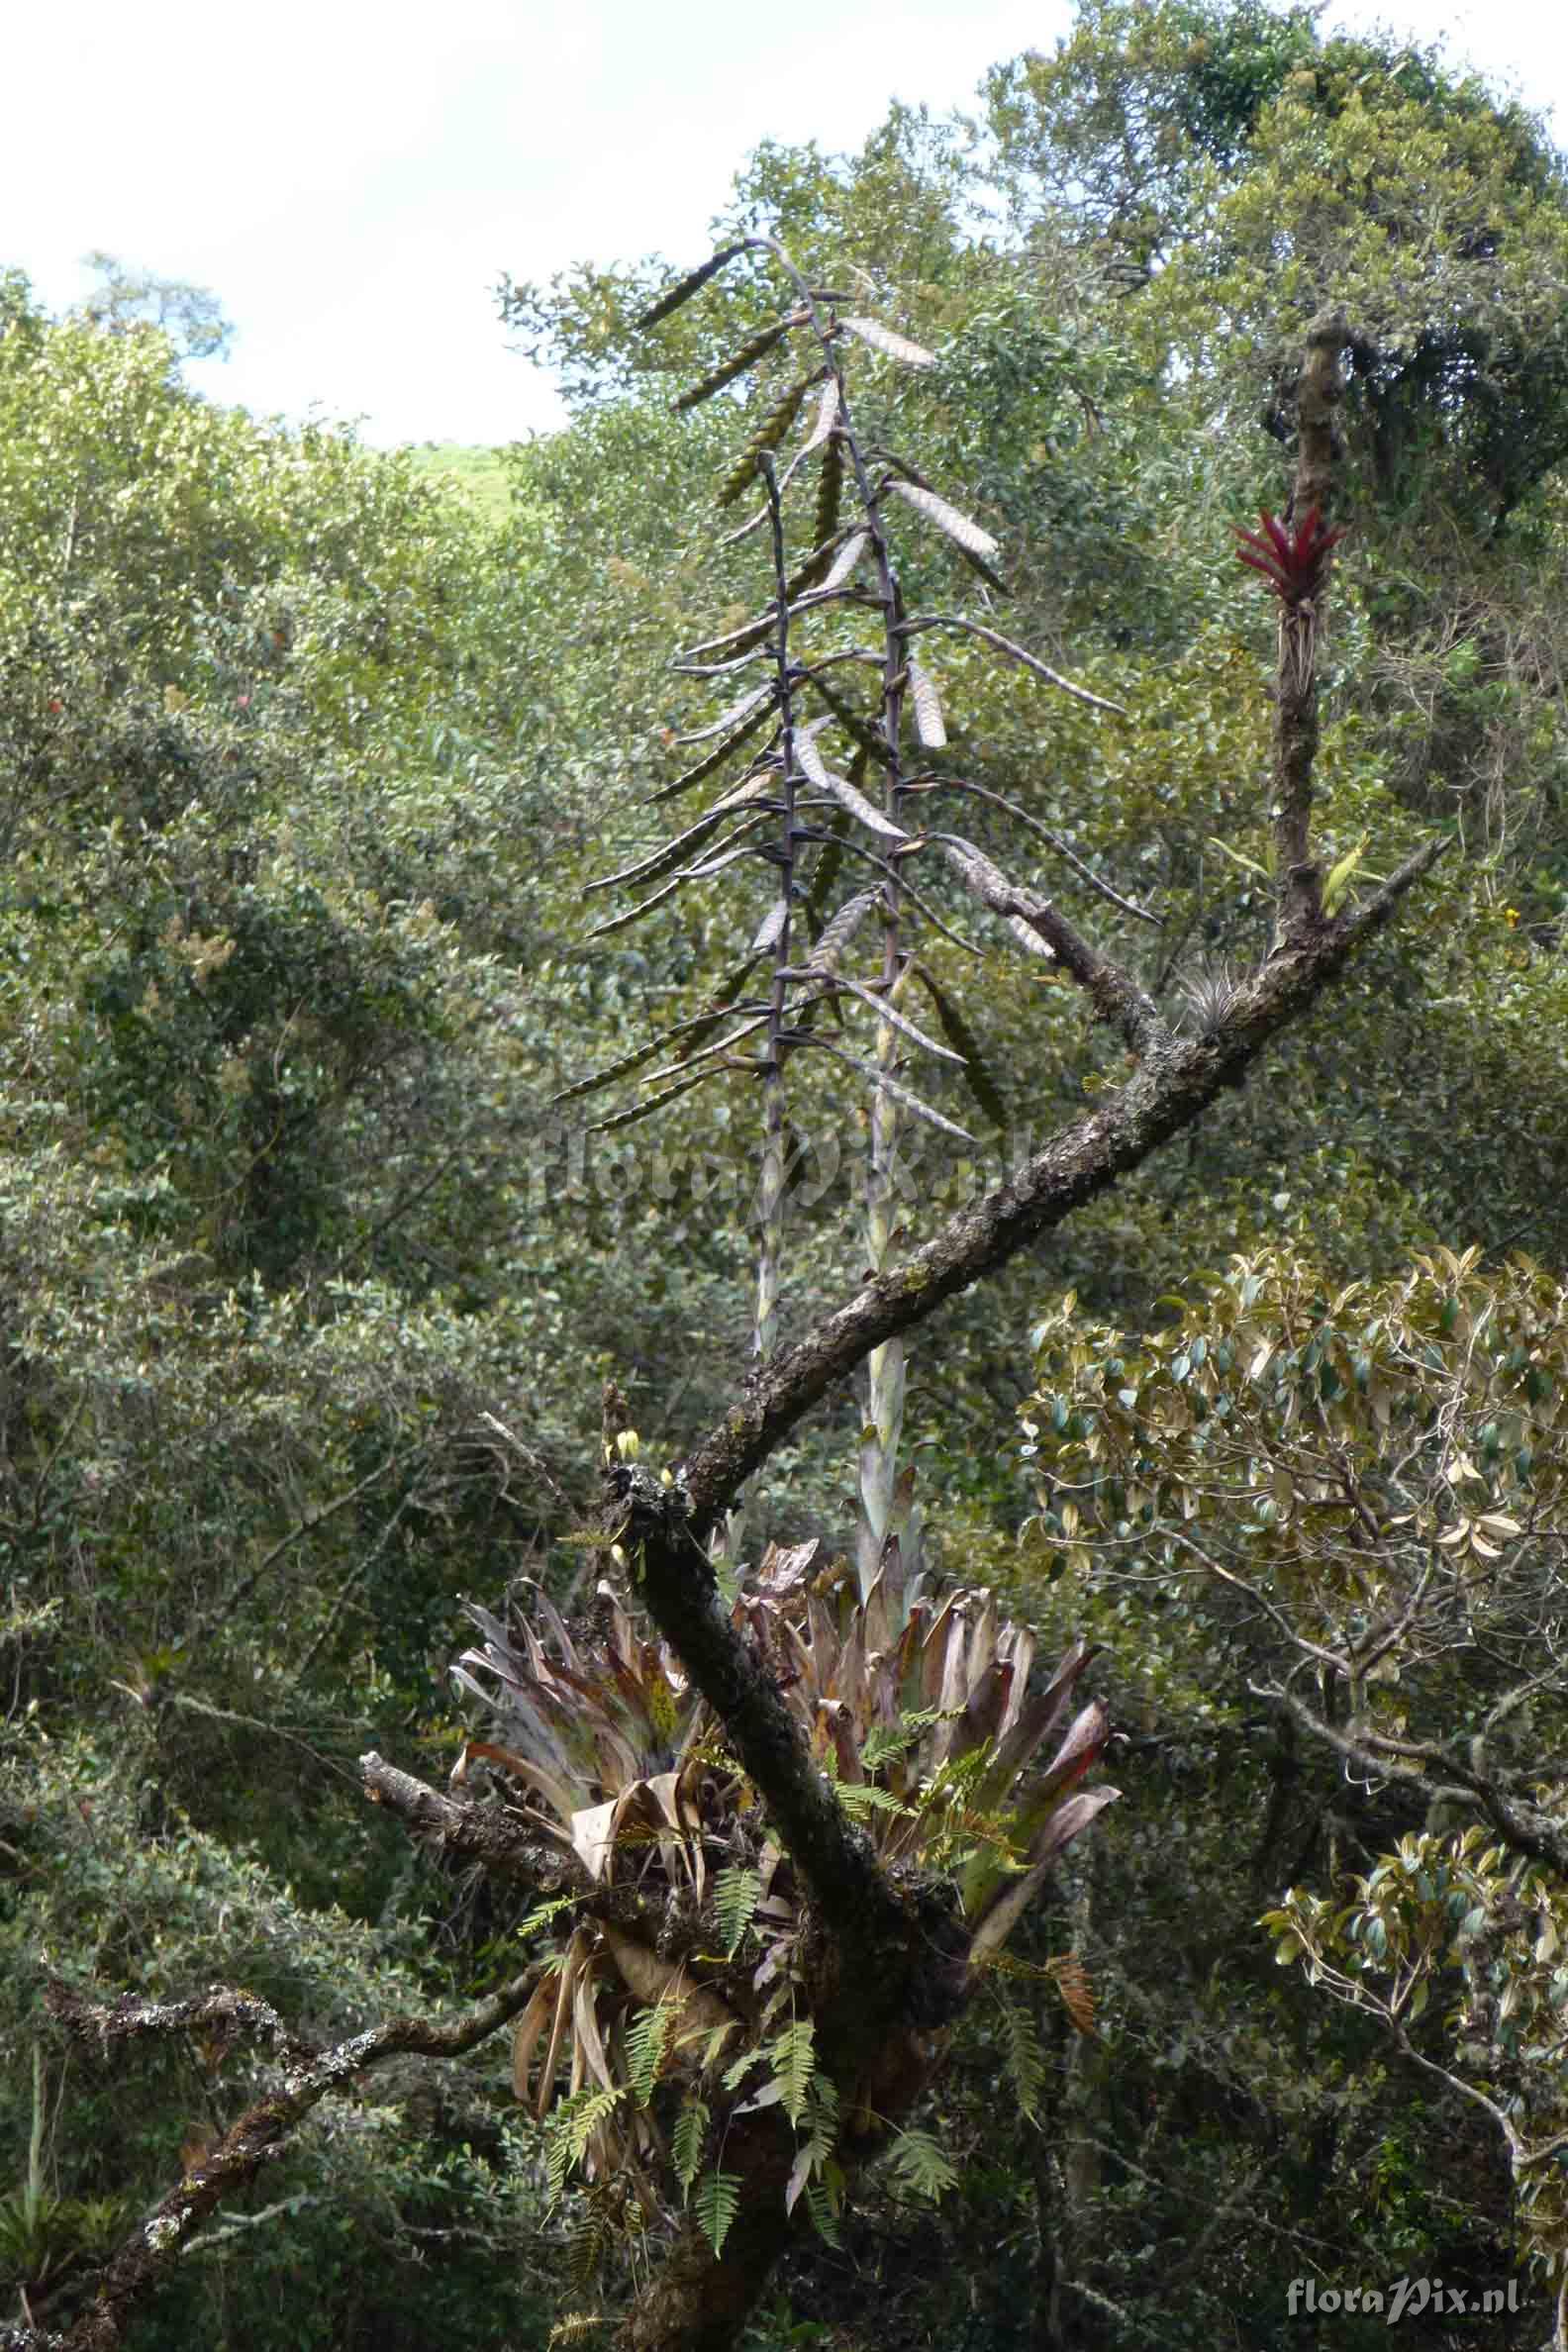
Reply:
x=1294, y=560
x=920, y=1713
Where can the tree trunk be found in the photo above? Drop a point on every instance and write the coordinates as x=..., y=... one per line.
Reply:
x=695, y=2302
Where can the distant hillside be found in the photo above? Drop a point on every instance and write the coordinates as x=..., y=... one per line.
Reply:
x=479, y=473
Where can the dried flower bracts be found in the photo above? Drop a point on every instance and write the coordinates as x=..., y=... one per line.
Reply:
x=1292, y=562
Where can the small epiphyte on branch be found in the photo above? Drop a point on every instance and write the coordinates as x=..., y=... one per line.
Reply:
x=1294, y=562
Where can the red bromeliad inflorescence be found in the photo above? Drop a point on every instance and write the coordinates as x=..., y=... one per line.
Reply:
x=1292, y=561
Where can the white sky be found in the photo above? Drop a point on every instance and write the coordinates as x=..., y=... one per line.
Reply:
x=351, y=180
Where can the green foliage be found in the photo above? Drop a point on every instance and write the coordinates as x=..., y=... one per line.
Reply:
x=1462, y=1913
x=793, y=2059
x=736, y=1893
x=921, y=2165
x=646, y=2046
x=1025, y=2060
x=716, y=2204
x=571, y=2129
x=480, y=477
x=688, y=2140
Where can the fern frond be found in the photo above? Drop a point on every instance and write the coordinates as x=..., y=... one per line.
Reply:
x=576, y=2325
x=793, y=2059
x=586, y=2249
x=921, y=2166
x=647, y=2045
x=860, y=1798
x=886, y=1741
x=1025, y=2058
x=544, y=1913
x=686, y=2141
x=734, y=2075
x=715, y=2204
x=569, y=2131
x=823, y=2207
x=1073, y=1983
x=737, y=1893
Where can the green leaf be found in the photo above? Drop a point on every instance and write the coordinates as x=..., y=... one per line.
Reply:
x=921, y=2166
x=715, y=2205
x=646, y=2043
x=736, y=1893
x=793, y=2059
x=1025, y=2057
x=686, y=2141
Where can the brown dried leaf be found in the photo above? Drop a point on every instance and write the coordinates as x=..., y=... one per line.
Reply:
x=530, y=2027
x=1077, y=1992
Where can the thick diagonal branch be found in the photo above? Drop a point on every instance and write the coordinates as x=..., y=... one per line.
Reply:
x=1169, y=1091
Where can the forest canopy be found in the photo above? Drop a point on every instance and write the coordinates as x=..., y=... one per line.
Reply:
x=1004, y=1247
